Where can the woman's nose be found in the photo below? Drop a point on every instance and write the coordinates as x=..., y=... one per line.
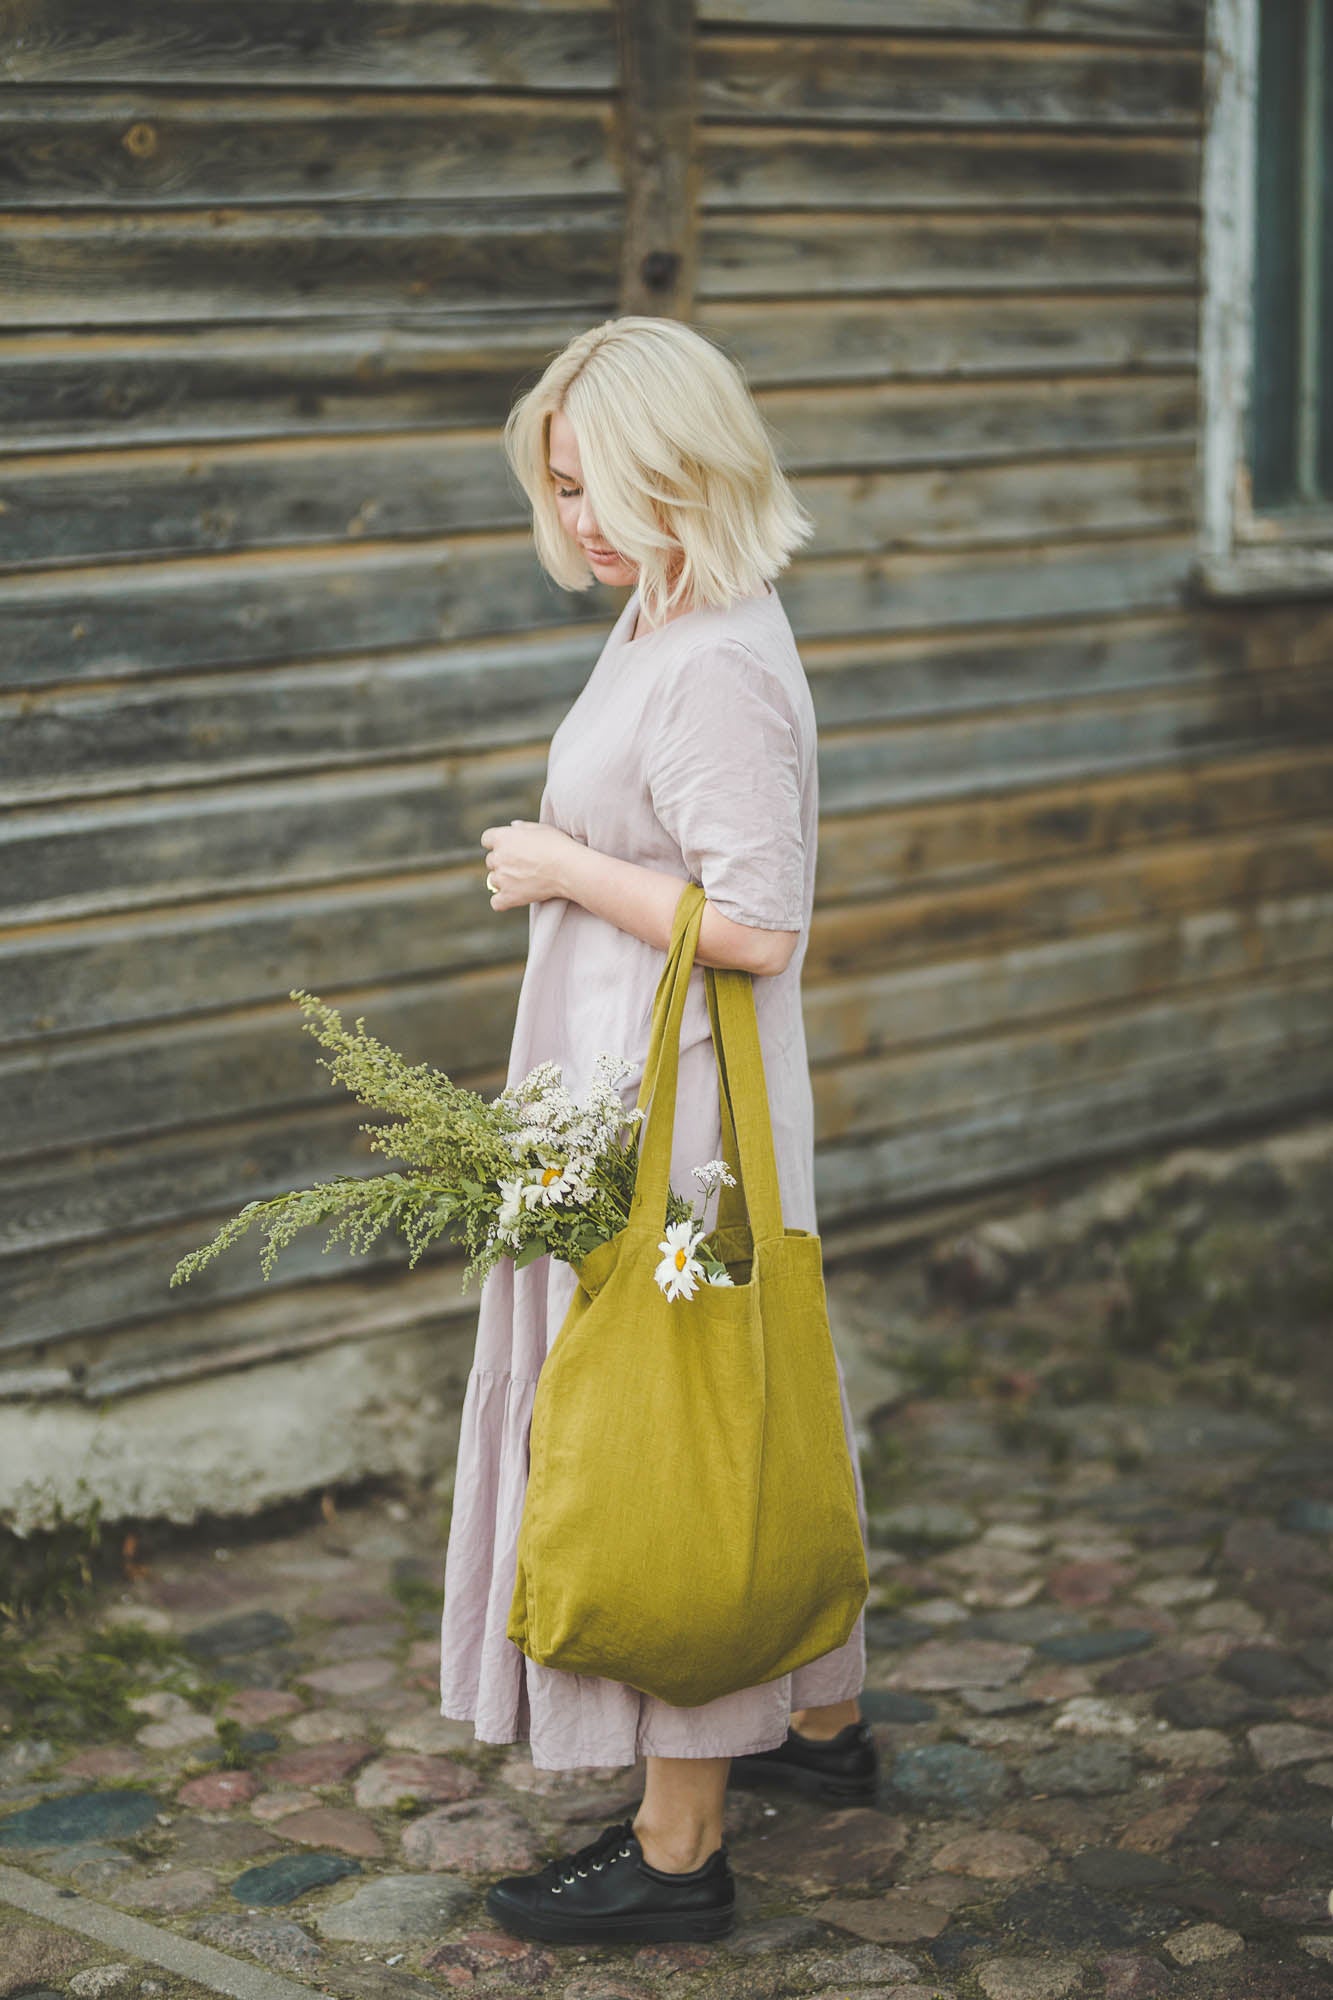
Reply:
x=586, y=524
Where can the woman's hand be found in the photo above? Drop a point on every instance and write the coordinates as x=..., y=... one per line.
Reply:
x=525, y=861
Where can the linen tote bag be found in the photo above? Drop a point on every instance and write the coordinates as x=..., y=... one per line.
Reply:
x=690, y=1524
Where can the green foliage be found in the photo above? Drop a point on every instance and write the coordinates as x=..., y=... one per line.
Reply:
x=459, y=1149
x=54, y=1569
x=885, y=1469
x=84, y=1696
x=940, y=1367
x=75, y=1697
x=417, y=1595
x=1252, y=1291
x=233, y=1757
x=1020, y=1428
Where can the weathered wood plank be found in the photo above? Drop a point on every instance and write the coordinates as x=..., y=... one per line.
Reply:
x=199, y=383
x=786, y=341
x=126, y=1277
x=888, y=79
x=767, y=166
x=91, y=506
x=857, y=1018
x=1128, y=20
x=122, y=623
x=909, y=1089
x=798, y=254
x=79, y=390
x=394, y=1305
x=1017, y=749
x=948, y=844
x=1146, y=885
x=64, y=148
x=61, y=1199
x=922, y=592
x=932, y=425
x=884, y=513
x=183, y=500
x=169, y=963
x=194, y=1342
x=502, y=44
x=114, y=267
x=934, y=676
x=1149, y=1106
x=175, y=1177
x=250, y=1061
x=350, y=713
x=338, y=827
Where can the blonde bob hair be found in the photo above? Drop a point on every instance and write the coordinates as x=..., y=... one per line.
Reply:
x=676, y=460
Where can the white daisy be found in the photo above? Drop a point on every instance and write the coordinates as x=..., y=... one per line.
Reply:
x=511, y=1205
x=680, y=1270
x=547, y=1185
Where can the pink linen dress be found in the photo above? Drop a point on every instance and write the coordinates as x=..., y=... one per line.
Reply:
x=690, y=750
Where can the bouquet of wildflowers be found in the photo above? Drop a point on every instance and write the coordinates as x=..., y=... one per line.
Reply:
x=528, y=1174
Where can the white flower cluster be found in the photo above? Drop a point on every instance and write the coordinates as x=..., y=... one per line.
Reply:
x=566, y=1138
x=714, y=1173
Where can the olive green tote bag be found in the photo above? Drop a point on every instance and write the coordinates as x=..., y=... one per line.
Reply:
x=690, y=1523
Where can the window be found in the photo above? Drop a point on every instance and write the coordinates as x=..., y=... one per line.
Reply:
x=1267, y=328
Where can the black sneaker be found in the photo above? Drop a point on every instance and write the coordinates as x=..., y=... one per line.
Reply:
x=607, y=1892
x=845, y=1768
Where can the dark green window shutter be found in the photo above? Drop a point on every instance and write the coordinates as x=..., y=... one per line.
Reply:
x=1290, y=440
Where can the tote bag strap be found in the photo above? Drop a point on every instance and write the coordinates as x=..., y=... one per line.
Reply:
x=672, y=988
x=731, y=1210
x=747, y=1123
x=657, y=1091
x=742, y=1090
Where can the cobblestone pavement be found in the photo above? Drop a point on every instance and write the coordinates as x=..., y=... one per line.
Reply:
x=1101, y=1680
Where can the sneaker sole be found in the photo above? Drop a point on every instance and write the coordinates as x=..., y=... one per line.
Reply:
x=817, y=1784
x=665, y=1927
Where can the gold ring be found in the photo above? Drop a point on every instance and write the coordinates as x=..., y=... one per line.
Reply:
x=491, y=885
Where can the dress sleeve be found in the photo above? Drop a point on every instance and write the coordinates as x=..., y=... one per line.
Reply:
x=725, y=781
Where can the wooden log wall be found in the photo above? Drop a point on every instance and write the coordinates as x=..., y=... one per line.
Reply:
x=275, y=648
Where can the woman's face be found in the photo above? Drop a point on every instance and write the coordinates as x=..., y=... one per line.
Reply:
x=575, y=509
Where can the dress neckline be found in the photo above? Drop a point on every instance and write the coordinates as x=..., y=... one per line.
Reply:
x=630, y=613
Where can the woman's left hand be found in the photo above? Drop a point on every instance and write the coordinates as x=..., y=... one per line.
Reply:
x=524, y=860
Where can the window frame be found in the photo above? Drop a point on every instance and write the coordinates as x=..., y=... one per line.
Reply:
x=1243, y=552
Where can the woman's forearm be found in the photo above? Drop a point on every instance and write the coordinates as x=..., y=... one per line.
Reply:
x=643, y=902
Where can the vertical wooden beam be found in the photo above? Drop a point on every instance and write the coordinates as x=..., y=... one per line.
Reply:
x=1310, y=390
x=1226, y=330
x=655, y=121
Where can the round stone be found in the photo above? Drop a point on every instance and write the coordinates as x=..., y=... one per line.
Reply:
x=950, y=1775
x=1029, y=1978
x=435, y=1780
x=1201, y=1943
x=394, y=1909
x=292, y=1875
x=476, y=1835
x=77, y=1817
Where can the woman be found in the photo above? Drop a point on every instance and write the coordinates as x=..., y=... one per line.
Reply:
x=689, y=755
